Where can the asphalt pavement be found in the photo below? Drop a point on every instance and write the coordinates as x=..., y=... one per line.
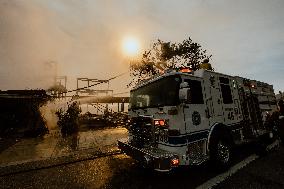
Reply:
x=52, y=149
x=265, y=172
x=91, y=160
x=120, y=171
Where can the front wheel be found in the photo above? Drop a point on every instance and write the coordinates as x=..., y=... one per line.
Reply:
x=221, y=153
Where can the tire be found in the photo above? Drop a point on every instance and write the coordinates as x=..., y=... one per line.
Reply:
x=221, y=152
x=264, y=142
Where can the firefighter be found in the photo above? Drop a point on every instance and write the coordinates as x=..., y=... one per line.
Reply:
x=280, y=117
x=275, y=121
x=281, y=107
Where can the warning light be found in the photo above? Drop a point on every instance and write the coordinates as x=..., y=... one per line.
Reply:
x=175, y=162
x=162, y=122
x=159, y=122
x=185, y=70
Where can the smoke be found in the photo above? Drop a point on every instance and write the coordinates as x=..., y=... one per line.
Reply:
x=27, y=46
x=48, y=113
x=49, y=109
x=83, y=38
x=42, y=39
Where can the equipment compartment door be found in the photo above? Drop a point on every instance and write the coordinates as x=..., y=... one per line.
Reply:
x=216, y=101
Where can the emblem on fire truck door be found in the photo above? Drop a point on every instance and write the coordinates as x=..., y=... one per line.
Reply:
x=196, y=118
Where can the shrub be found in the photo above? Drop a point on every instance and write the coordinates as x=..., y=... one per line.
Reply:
x=68, y=120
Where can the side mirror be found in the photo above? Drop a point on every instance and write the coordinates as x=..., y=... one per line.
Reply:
x=185, y=93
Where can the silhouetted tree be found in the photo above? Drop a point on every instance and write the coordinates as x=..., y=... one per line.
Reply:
x=168, y=55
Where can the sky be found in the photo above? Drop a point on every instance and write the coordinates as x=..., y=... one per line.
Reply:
x=82, y=38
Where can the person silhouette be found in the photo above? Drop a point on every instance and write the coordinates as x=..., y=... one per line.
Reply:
x=280, y=117
x=281, y=107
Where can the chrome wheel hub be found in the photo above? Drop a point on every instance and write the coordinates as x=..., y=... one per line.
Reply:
x=223, y=152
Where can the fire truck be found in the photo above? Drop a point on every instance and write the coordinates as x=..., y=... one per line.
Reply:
x=187, y=118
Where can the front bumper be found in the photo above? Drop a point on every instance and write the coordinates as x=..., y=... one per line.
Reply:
x=158, y=159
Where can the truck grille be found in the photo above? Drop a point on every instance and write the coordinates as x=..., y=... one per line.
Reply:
x=142, y=132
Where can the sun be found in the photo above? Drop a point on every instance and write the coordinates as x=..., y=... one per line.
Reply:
x=130, y=46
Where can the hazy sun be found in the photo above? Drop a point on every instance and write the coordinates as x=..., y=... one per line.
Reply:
x=130, y=46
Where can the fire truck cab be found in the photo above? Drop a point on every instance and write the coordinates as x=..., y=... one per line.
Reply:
x=188, y=118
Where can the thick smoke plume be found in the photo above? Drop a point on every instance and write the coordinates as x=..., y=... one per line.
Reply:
x=42, y=39
x=39, y=38
x=48, y=112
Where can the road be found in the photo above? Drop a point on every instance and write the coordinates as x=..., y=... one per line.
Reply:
x=120, y=171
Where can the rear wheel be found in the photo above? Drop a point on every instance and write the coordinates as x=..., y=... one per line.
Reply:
x=267, y=142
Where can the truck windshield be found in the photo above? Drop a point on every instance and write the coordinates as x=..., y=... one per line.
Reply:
x=163, y=92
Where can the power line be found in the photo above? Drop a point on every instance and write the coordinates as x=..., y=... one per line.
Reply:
x=112, y=78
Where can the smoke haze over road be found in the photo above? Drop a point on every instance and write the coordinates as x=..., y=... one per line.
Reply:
x=39, y=38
